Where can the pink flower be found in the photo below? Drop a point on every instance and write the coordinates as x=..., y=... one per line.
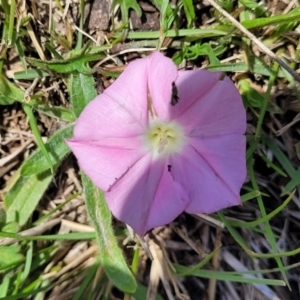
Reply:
x=160, y=141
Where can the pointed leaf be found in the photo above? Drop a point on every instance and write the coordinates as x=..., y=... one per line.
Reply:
x=110, y=253
x=82, y=91
x=24, y=196
x=9, y=93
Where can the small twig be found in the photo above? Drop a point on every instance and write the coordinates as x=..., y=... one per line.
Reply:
x=30, y=90
x=112, y=56
x=255, y=40
x=286, y=127
x=290, y=6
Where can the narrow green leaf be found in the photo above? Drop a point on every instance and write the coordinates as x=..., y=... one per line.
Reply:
x=142, y=292
x=189, y=11
x=54, y=53
x=11, y=227
x=80, y=35
x=9, y=93
x=238, y=238
x=257, y=68
x=47, y=216
x=11, y=22
x=75, y=63
x=88, y=280
x=295, y=182
x=82, y=91
x=55, y=147
x=200, y=265
x=197, y=33
x=74, y=236
x=266, y=100
x=24, y=196
x=281, y=157
x=27, y=267
x=273, y=20
x=37, y=135
x=226, y=276
x=4, y=286
x=269, y=233
x=126, y=5
x=250, y=95
x=20, y=48
x=110, y=254
x=5, y=6
x=273, y=166
x=249, y=196
x=2, y=218
x=30, y=74
x=9, y=254
x=297, y=146
x=59, y=112
x=265, y=218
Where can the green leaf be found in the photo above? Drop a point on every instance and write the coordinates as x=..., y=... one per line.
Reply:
x=193, y=52
x=281, y=157
x=227, y=276
x=2, y=217
x=249, y=196
x=74, y=236
x=269, y=232
x=37, y=134
x=257, y=67
x=69, y=65
x=293, y=183
x=273, y=20
x=11, y=227
x=189, y=11
x=250, y=4
x=250, y=96
x=126, y=5
x=9, y=93
x=110, y=254
x=59, y=112
x=55, y=147
x=195, y=33
x=142, y=291
x=297, y=146
x=30, y=74
x=24, y=196
x=88, y=280
x=4, y=286
x=82, y=90
x=9, y=255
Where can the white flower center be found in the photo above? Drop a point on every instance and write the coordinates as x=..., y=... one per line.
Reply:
x=163, y=138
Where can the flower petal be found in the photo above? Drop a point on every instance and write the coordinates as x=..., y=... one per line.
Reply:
x=162, y=73
x=130, y=90
x=147, y=196
x=210, y=107
x=106, y=117
x=226, y=155
x=192, y=85
x=106, y=161
x=210, y=185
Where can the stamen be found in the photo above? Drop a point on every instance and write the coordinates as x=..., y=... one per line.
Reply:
x=164, y=138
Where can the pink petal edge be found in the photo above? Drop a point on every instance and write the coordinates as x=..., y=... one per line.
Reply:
x=218, y=108
x=147, y=196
